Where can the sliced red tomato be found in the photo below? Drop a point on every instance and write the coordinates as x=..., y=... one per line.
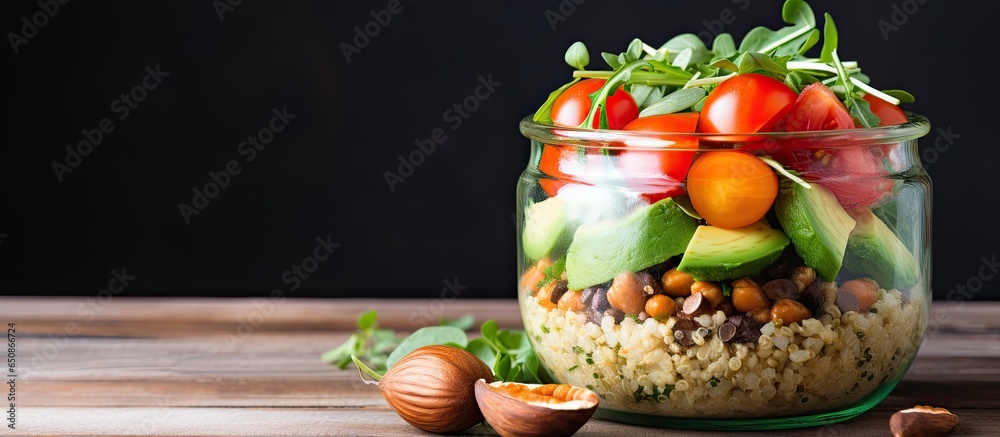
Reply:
x=818, y=108
x=887, y=112
x=573, y=105
x=854, y=174
x=746, y=103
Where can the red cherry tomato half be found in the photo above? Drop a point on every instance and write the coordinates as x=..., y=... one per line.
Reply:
x=887, y=112
x=746, y=103
x=661, y=164
x=854, y=174
x=573, y=105
x=817, y=108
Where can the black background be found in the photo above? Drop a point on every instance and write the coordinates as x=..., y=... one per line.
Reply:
x=324, y=174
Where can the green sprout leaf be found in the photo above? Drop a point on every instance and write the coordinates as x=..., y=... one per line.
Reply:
x=675, y=102
x=366, y=320
x=903, y=96
x=677, y=44
x=724, y=46
x=829, y=39
x=430, y=335
x=577, y=56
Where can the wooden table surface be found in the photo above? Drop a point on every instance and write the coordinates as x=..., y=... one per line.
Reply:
x=249, y=367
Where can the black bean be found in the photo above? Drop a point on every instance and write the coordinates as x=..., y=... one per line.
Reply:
x=557, y=293
x=846, y=301
x=684, y=337
x=778, y=269
x=696, y=305
x=781, y=289
x=813, y=297
x=598, y=305
x=618, y=314
x=649, y=284
x=727, y=332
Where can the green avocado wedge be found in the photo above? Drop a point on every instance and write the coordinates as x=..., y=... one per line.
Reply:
x=817, y=225
x=641, y=239
x=715, y=254
x=874, y=250
x=546, y=228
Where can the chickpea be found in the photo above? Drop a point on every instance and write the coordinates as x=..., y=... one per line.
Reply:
x=748, y=296
x=572, y=300
x=534, y=275
x=761, y=315
x=660, y=307
x=789, y=311
x=711, y=291
x=544, y=295
x=676, y=283
x=626, y=293
x=865, y=289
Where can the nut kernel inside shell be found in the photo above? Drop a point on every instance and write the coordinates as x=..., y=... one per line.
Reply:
x=527, y=410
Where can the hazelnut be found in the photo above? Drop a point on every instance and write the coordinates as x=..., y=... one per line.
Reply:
x=921, y=421
x=529, y=410
x=433, y=388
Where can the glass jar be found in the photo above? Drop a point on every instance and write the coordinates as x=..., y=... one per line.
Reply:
x=807, y=317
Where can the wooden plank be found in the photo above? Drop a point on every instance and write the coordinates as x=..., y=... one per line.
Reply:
x=378, y=422
x=183, y=367
x=214, y=314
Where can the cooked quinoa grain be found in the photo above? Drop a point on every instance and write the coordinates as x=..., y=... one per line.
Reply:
x=822, y=362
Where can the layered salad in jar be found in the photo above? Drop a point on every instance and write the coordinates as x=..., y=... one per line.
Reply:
x=734, y=231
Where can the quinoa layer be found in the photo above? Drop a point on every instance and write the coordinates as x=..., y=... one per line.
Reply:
x=820, y=364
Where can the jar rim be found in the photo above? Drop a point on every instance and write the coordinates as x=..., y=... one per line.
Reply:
x=916, y=127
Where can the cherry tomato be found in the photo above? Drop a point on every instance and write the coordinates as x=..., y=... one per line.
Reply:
x=854, y=174
x=817, y=108
x=566, y=165
x=731, y=189
x=661, y=164
x=889, y=114
x=573, y=105
x=746, y=103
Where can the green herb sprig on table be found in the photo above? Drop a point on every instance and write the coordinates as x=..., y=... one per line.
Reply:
x=679, y=74
x=507, y=352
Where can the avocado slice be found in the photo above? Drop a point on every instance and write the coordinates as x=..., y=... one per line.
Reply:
x=646, y=237
x=716, y=253
x=817, y=224
x=875, y=251
x=546, y=228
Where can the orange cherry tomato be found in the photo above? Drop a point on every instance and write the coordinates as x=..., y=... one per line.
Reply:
x=731, y=189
